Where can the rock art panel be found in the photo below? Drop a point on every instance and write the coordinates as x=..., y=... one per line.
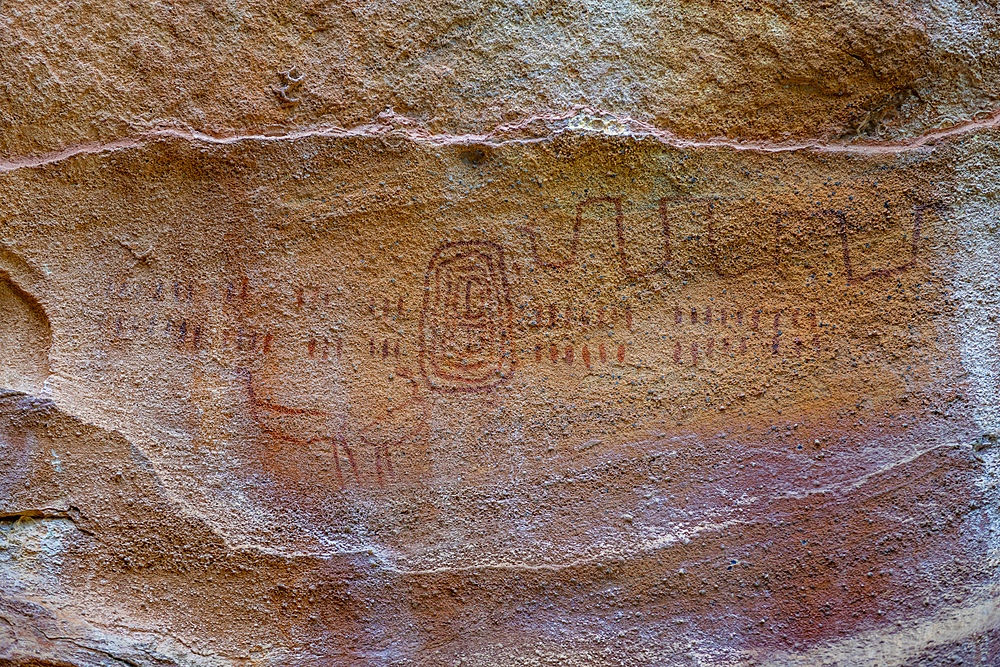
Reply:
x=661, y=391
x=521, y=370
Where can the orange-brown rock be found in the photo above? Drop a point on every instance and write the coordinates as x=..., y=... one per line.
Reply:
x=626, y=335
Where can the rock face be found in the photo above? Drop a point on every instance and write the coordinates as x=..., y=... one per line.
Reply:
x=493, y=335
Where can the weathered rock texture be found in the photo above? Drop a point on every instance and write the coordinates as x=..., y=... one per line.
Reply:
x=603, y=333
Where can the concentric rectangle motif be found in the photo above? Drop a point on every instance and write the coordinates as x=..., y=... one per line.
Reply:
x=466, y=320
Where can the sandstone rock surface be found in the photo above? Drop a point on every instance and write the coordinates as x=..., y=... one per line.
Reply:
x=593, y=334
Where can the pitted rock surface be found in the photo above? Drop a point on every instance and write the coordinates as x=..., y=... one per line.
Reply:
x=600, y=334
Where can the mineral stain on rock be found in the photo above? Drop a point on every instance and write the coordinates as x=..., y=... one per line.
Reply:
x=480, y=335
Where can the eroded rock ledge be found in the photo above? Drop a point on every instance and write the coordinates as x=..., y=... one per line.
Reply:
x=510, y=374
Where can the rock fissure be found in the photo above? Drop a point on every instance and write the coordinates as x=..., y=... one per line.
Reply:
x=408, y=131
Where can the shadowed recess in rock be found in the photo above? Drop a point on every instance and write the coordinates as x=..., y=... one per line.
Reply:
x=25, y=339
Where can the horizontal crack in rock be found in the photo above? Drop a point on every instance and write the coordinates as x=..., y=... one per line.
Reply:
x=390, y=125
x=71, y=513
